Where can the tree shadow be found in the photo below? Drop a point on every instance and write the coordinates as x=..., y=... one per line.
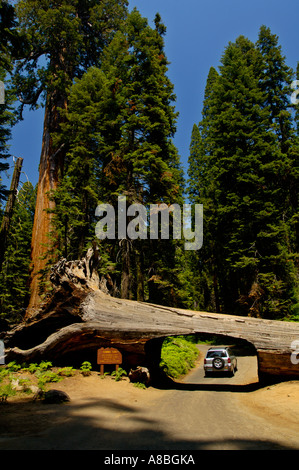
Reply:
x=106, y=425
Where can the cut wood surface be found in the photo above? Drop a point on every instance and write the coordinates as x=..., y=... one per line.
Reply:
x=80, y=317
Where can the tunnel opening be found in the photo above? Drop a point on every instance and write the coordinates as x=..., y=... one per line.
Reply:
x=173, y=360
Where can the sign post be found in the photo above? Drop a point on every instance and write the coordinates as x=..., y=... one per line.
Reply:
x=109, y=356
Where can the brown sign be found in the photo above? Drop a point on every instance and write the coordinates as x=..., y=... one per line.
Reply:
x=109, y=356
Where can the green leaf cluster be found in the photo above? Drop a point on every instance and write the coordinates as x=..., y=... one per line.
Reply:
x=178, y=356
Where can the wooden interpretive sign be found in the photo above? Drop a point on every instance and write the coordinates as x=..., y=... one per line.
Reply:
x=109, y=356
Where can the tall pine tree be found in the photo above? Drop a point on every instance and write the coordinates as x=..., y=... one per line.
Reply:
x=246, y=132
x=144, y=122
x=123, y=120
x=10, y=46
x=15, y=273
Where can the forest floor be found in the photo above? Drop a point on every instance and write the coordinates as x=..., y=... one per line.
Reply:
x=279, y=403
x=22, y=415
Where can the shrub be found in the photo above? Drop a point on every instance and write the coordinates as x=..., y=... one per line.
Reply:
x=45, y=365
x=47, y=377
x=85, y=368
x=3, y=373
x=32, y=368
x=118, y=374
x=178, y=356
x=6, y=391
x=66, y=372
x=139, y=385
x=13, y=367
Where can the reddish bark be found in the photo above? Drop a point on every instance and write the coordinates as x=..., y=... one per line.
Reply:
x=51, y=165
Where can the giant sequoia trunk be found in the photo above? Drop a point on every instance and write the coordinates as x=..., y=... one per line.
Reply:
x=80, y=317
x=51, y=165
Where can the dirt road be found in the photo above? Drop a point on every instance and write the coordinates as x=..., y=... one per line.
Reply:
x=199, y=414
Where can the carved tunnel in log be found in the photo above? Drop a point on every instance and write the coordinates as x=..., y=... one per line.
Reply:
x=79, y=321
x=80, y=317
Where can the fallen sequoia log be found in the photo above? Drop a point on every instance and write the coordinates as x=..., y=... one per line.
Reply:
x=80, y=317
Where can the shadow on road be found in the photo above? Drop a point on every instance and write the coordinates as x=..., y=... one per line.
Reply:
x=211, y=386
x=74, y=427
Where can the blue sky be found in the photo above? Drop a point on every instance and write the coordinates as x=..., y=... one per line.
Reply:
x=197, y=33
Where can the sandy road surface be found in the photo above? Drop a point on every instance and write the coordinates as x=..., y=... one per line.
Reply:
x=200, y=414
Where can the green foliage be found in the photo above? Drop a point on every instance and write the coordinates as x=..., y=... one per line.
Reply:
x=62, y=40
x=4, y=372
x=77, y=195
x=11, y=371
x=32, y=368
x=104, y=375
x=47, y=377
x=7, y=121
x=139, y=385
x=143, y=121
x=178, y=356
x=118, y=374
x=14, y=290
x=241, y=162
x=35, y=367
x=118, y=130
x=86, y=368
x=10, y=40
x=13, y=366
x=6, y=391
x=144, y=165
x=66, y=371
x=45, y=365
x=42, y=374
x=10, y=47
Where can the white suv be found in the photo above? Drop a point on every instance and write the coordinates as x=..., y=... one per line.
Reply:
x=220, y=359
